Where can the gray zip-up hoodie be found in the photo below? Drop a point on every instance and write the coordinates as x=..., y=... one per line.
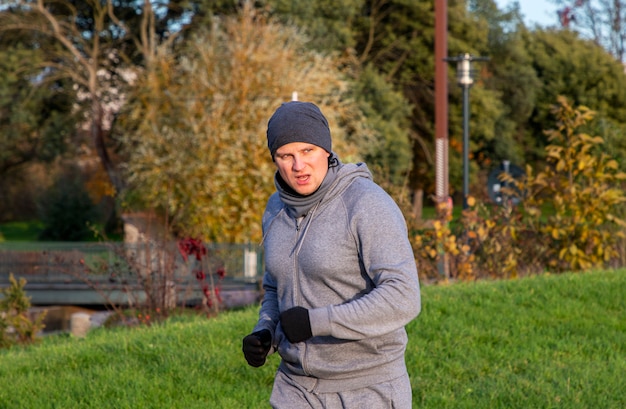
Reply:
x=349, y=262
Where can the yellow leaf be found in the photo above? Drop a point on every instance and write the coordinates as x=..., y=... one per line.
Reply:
x=555, y=234
x=598, y=140
x=481, y=232
x=612, y=164
x=619, y=222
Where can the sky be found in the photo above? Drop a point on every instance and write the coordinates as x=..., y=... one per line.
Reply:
x=534, y=12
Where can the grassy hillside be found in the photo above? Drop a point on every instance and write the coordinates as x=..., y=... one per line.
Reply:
x=541, y=342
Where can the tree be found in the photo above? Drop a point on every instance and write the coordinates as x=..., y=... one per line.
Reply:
x=602, y=21
x=513, y=80
x=328, y=22
x=579, y=70
x=88, y=45
x=529, y=69
x=82, y=57
x=334, y=27
x=395, y=39
x=391, y=44
x=36, y=122
x=194, y=129
x=388, y=153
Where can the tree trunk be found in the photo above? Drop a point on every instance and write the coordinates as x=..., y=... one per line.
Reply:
x=418, y=204
x=98, y=135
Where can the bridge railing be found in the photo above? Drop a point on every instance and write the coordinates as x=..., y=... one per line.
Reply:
x=69, y=262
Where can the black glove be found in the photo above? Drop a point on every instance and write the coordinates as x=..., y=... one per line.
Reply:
x=296, y=324
x=256, y=346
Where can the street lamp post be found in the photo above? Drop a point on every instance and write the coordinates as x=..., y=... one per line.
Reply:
x=464, y=76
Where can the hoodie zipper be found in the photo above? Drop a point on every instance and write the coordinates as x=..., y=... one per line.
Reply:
x=296, y=272
x=300, y=221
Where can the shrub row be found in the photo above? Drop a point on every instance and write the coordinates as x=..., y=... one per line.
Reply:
x=567, y=217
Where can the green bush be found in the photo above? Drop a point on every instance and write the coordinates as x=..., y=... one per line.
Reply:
x=67, y=211
x=16, y=325
x=581, y=184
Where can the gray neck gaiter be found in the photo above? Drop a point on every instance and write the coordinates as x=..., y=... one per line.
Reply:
x=299, y=205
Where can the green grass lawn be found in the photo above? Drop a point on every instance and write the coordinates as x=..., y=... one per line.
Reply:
x=553, y=341
x=29, y=231
x=20, y=231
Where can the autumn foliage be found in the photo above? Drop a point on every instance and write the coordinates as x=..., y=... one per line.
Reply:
x=196, y=148
x=568, y=219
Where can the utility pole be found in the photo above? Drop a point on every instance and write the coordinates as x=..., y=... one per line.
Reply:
x=441, y=101
x=441, y=122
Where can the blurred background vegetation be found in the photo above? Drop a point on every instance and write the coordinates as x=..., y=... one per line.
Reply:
x=113, y=107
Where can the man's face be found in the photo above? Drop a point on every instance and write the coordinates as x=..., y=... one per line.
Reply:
x=302, y=166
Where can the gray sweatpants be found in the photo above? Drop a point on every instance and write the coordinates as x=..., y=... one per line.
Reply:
x=395, y=394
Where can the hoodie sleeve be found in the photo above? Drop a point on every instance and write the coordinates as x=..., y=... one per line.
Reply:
x=269, y=313
x=380, y=232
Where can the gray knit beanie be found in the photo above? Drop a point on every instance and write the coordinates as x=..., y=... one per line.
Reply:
x=297, y=121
